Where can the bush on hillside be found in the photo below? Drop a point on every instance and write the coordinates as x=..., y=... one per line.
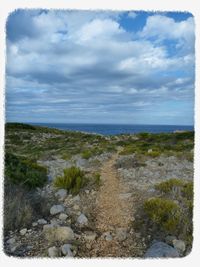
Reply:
x=73, y=179
x=164, y=212
x=24, y=172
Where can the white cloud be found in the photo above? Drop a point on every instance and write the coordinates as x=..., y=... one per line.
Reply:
x=132, y=14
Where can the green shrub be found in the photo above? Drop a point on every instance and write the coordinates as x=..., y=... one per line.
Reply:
x=187, y=190
x=164, y=212
x=86, y=154
x=97, y=179
x=169, y=185
x=154, y=154
x=24, y=172
x=73, y=179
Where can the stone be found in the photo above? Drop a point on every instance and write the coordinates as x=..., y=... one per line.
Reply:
x=66, y=250
x=55, y=209
x=76, y=198
x=169, y=239
x=42, y=221
x=53, y=252
x=87, y=191
x=58, y=233
x=82, y=220
x=121, y=234
x=179, y=245
x=107, y=236
x=55, y=222
x=11, y=241
x=63, y=216
x=23, y=231
x=90, y=236
x=161, y=249
x=76, y=207
x=34, y=224
x=61, y=194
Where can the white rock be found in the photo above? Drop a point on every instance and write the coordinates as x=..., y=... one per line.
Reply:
x=42, y=221
x=108, y=236
x=82, y=219
x=76, y=198
x=87, y=191
x=55, y=209
x=76, y=207
x=34, y=224
x=53, y=252
x=61, y=194
x=11, y=241
x=23, y=231
x=121, y=234
x=66, y=250
x=63, y=216
x=179, y=245
x=90, y=236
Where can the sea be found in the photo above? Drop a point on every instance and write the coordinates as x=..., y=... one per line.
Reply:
x=114, y=129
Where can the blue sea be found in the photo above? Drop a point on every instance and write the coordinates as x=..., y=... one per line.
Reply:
x=113, y=129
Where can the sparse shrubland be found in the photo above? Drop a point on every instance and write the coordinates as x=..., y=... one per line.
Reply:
x=24, y=172
x=172, y=211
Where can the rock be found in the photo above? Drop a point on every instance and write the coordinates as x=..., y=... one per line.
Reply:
x=55, y=222
x=53, y=252
x=66, y=250
x=42, y=221
x=90, y=236
x=23, y=231
x=107, y=236
x=58, y=233
x=63, y=216
x=11, y=241
x=82, y=220
x=161, y=249
x=121, y=234
x=76, y=207
x=61, y=194
x=34, y=224
x=55, y=209
x=179, y=245
x=76, y=198
x=169, y=239
x=87, y=191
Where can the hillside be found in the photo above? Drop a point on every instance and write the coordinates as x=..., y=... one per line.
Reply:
x=87, y=195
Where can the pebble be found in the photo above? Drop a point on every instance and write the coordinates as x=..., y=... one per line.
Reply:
x=55, y=209
x=42, y=221
x=63, y=216
x=179, y=245
x=23, y=231
x=82, y=220
x=66, y=250
x=53, y=252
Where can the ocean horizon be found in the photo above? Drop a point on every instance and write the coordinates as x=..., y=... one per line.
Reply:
x=114, y=129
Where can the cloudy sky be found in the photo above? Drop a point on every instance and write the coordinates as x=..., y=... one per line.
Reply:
x=100, y=67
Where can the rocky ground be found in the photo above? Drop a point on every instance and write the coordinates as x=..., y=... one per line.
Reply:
x=101, y=221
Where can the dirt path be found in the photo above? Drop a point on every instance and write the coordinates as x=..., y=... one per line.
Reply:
x=113, y=215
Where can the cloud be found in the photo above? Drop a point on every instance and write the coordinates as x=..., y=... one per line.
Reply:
x=132, y=14
x=85, y=64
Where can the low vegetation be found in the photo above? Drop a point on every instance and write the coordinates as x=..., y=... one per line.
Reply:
x=154, y=145
x=172, y=211
x=73, y=179
x=24, y=172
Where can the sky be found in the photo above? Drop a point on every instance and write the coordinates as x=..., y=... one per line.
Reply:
x=100, y=67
